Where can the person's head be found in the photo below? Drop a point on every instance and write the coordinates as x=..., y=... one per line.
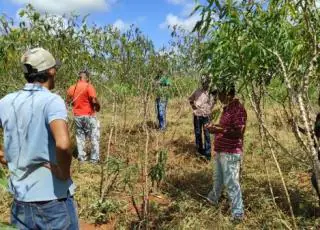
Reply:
x=213, y=91
x=39, y=66
x=227, y=93
x=205, y=82
x=84, y=75
x=159, y=74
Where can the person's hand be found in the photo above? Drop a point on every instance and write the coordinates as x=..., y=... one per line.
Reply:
x=213, y=128
x=56, y=171
x=209, y=127
x=2, y=158
x=193, y=106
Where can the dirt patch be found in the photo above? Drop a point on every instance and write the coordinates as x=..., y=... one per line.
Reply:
x=159, y=199
x=108, y=226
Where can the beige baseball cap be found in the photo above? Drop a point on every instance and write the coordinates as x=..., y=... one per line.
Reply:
x=40, y=59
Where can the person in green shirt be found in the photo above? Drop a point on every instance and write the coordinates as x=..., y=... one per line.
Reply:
x=162, y=84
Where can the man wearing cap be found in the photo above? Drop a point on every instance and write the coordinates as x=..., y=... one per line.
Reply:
x=202, y=102
x=82, y=96
x=36, y=147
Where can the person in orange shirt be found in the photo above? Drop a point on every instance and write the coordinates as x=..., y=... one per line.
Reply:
x=83, y=98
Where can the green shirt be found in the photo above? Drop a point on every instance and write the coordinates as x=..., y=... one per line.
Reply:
x=162, y=88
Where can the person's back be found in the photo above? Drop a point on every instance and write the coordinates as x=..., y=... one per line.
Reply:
x=82, y=96
x=162, y=90
x=233, y=116
x=81, y=92
x=25, y=117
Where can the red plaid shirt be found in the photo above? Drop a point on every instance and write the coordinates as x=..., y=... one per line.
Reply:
x=234, y=116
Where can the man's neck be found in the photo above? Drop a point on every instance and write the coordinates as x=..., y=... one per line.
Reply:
x=230, y=100
x=45, y=84
x=83, y=80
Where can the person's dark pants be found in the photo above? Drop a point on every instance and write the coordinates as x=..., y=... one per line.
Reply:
x=161, y=109
x=203, y=148
x=55, y=214
x=314, y=180
x=314, y=183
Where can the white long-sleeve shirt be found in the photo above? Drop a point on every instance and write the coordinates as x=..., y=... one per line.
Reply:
x=203, y=101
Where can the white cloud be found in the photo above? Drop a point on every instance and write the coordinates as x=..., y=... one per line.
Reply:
x=187, y=9
x=67, y=6
x=187, y=6
x=181, y=22
x=183, y=19
x=176, y=2
x=121, y=25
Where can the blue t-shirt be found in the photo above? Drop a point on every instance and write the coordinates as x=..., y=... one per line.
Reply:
x=28, y=143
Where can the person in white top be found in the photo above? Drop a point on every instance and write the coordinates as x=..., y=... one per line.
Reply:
x=202, y=102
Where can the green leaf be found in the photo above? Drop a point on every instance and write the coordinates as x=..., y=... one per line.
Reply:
x=4, y=226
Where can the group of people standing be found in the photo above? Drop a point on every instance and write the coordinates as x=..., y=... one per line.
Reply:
x=37, y=142
x=228, y=134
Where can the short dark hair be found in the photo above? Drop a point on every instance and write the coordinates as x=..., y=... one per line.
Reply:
x=86, y=72
x=213, y=92
x=229, y=89
x=32, y=75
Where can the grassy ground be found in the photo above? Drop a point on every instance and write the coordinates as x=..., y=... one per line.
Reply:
x=178, y=202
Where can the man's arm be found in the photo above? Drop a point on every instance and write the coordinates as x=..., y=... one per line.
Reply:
x=95, y=103
x=2, y=158
x=68, y=99
x=60, y=134
x=235, y=132
x=69, y=96
x=93, y=98
x=191, y=100
x=56, y=118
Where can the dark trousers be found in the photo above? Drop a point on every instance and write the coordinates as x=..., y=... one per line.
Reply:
x=315, y=185
x=199, y=130
x=161, y=109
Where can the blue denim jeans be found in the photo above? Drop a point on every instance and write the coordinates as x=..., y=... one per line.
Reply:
x=161, y=110
x=227, y=174
x=56, y=214
x=203, y=148
x=87, y=127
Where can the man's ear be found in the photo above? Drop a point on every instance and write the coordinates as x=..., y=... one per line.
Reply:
x=52, y=72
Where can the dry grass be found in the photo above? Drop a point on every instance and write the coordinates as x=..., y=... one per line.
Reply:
x=177, y=203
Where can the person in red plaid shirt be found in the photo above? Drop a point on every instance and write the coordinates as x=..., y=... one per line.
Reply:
x=228, y=146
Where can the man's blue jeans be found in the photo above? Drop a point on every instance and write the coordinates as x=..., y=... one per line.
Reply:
x=203, y=148
x=56, y=214
x=227, y=173
x=161, y=109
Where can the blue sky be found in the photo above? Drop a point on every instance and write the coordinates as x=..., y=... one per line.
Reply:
x=152, y=16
